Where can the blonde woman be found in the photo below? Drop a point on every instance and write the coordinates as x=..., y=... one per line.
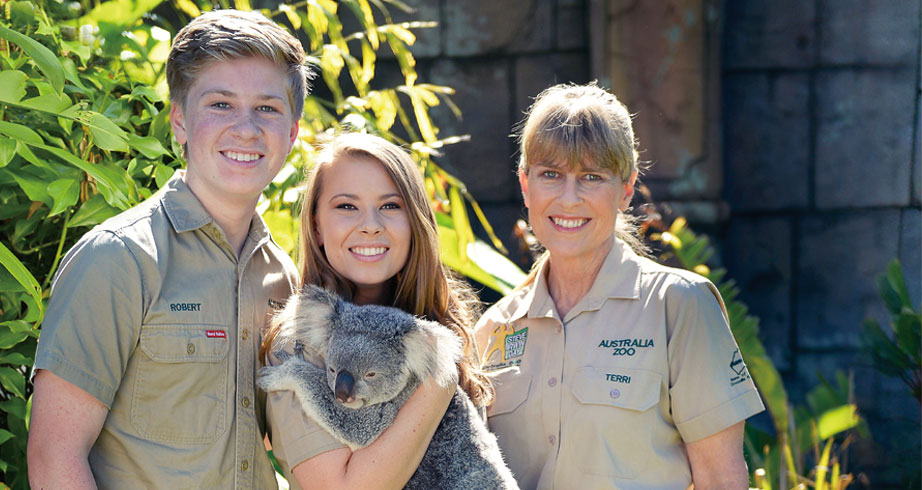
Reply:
x=369, y=234
x=610, y=370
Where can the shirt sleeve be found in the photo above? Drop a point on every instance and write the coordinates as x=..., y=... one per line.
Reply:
x=94, y=315
x=710, y=388
x=295, y=437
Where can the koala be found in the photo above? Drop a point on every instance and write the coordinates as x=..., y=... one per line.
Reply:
x=373, y=359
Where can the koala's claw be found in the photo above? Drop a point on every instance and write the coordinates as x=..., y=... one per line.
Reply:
x=281, y=355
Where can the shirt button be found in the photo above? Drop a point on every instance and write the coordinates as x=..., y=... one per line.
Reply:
x=552, y=440
x=552, y=382
x=245, y=334
x=190, y=348
x=244, y=465
x=615, y=393
x=245, y=402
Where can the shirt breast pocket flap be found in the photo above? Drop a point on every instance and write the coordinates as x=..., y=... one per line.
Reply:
x=185, y=343
x=633, y=389
x=511, y=391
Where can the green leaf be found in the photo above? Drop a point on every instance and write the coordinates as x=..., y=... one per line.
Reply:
x=117, y=185
x=13, y=381
x=7, y=151
x=888, y=358
x=908, y=328
x=121, y=13
x=10, y=339
x=20, y=273
x=836, y=420
x=20, y=132
x=52, y=103
x=46, y=60
x=65, y=193
x=12, y=85
x=15, y=358
x=106, y=134
x=162, y=174
x=889, y=295
x=16, y=407
x=34, y=187
x=147, y=145
x=894, y=276
x=93, y=211
x=5, y=435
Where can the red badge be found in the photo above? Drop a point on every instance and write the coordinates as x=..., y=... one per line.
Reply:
x=215, y=334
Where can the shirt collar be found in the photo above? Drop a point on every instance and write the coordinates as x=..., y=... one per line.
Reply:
x=187, y=213
x=183, y=209
x=618, y=278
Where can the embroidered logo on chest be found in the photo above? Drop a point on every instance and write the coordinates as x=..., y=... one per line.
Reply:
x=510, y=343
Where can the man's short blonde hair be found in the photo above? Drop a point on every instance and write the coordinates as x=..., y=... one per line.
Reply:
x=234, y=34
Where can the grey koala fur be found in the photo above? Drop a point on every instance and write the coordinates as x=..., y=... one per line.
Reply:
x=356, y=408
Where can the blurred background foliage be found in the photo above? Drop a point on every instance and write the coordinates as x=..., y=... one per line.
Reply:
x=84, y=134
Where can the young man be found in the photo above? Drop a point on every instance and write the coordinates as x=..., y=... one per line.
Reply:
x=144, y=375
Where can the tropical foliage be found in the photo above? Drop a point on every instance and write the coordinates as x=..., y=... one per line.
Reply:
x=899, y=352
x=84, y=134
x=805, y=445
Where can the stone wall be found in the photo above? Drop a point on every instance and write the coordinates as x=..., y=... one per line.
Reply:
x=821, y=158
x=805, y=164
x=498, y=55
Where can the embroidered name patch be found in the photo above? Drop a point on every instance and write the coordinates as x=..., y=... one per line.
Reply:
x=215, y=334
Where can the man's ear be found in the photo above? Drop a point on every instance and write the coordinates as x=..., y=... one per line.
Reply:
x=523, y=184
x=178, y=123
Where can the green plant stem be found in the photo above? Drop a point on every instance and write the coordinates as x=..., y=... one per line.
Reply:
x=57, y=255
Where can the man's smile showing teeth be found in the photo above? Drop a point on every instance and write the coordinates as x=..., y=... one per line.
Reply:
x=569, y=223
x=368, y=251
x=241, y=157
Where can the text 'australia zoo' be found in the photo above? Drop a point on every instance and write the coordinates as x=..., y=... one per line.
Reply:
x=625, y=347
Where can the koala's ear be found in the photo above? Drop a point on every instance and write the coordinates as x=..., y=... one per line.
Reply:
x=432, y=351
x=307, y=317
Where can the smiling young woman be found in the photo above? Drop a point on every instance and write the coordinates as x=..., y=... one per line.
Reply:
x=369, y=234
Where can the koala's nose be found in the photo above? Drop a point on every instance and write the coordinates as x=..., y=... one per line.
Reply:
x=343, y=387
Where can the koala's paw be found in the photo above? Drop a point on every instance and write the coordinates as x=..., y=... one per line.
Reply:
x=282, y=355
x=274, y=378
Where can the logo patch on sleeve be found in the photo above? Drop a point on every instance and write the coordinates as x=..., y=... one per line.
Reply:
x=510, y=343
x=738, y=368
x=215, y=334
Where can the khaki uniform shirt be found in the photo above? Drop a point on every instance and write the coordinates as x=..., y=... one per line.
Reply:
x=607, y=397
x=295, y=437
x=153, y=314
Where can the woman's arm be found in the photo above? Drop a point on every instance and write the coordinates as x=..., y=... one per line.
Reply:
x=391, y=460
x=717, y=460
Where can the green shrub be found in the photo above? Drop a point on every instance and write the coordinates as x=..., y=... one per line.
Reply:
x=84, y=134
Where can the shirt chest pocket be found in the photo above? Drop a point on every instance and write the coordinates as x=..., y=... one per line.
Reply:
x=511, y=391
x=615, y=416
x=181, y=383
